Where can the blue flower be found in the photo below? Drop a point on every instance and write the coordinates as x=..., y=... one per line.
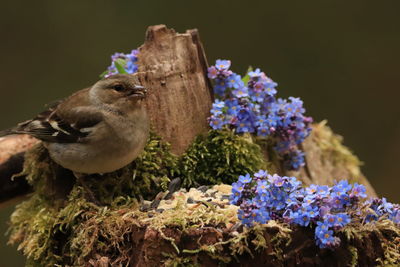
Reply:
x=321, y=229
x=328, y=209
x=272, y=120
x=263, y=131
x=244, y=127
x=292, y=160
x=322, y=191
x=245, y=179
x=222, y=64
x=261, y=120
x=294, y=182
x=257, y=96
x=312, y=189
x=276, y=180
x=342, y=187
x=220, y=87
x=216, y=122
x=235, y=81
x=258, y=86
x=240, y=92
x=128, y=62
x=260, y=216
x=385, y=206
x=245, y=218
x=233, y=106
x=342, y=219
x=325, y=238
x=212, y=72
x=358, y=191
x=253, y=108
x=301, y=217
x=264, y=197
x=255, y=74
x=270, y=91
x=261, y=174
x=237, y=189
x=218, y=105
x=331, y=220
x=262, y=186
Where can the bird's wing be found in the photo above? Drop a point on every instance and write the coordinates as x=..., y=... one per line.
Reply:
x=67, y=127
x=65, y=121
x=20, y=128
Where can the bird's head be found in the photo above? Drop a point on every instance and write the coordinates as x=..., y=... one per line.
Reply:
x=120, y=90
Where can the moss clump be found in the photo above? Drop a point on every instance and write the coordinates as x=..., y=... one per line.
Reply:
x=72, y=234
x=145, y=177
x=220, y=157
x=60, y=225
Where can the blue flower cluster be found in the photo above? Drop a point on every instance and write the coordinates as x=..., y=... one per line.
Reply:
x=265, y=197
x=122, y=63
x=249, y=105
x=380, y=207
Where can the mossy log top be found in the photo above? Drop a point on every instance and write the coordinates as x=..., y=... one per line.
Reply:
x=137, y=222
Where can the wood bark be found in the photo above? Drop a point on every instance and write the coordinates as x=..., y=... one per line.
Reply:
x=12, y=149
x=151, y=247
x=175, y=73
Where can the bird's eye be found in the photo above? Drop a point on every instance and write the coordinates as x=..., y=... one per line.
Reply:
x=118, y=87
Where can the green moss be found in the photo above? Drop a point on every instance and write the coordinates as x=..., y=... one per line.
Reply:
x=354, y=256
x=145, y=177
x=48, y=226
x=60, y=225
x=220, y=157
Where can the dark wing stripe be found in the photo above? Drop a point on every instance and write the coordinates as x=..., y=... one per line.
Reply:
x=51, y=130
x=49, y=127
x=46, y=131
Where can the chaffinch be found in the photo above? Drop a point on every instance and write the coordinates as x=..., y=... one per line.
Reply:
x=96, y=130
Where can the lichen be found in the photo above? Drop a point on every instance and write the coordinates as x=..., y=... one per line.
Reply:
x=333, y=149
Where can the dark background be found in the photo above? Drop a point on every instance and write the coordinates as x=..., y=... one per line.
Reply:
x=341, y=57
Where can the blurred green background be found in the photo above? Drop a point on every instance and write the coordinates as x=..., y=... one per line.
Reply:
x=341, y=57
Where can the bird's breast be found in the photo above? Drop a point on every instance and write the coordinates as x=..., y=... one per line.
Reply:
x=109, y=147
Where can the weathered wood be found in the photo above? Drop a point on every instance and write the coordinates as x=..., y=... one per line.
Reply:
x=175, y=72
x=12, y=149
x=14, y=144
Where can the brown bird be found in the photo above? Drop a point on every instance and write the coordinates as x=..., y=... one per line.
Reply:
x=96, y=130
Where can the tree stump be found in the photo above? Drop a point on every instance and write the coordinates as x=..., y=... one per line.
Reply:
x=175, y=72
x=173, y=67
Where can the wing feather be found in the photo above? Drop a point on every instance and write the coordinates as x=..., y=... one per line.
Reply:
x=55, y=128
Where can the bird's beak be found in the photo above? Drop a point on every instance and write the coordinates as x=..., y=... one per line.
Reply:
x=138, y=91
